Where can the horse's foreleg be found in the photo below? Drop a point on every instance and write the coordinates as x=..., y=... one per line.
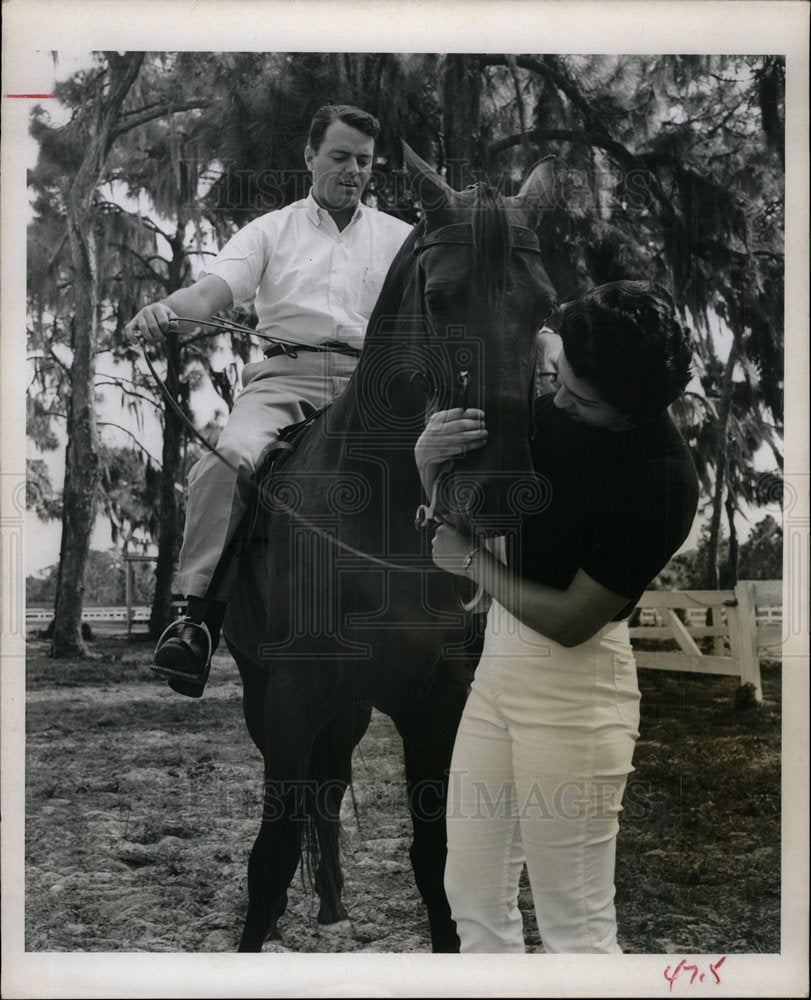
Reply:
x=276, y=851
x=428, y=734
x=283, y=718
x=331, y=766
x=272, y=865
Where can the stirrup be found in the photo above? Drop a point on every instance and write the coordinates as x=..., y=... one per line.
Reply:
x=182, y=675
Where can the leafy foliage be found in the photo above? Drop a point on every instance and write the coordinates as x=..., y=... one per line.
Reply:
x=129, y=494
x=104, y=581
x=40, y=495
x=760, y=557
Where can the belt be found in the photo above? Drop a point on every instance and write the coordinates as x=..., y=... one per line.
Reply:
x=291, y=350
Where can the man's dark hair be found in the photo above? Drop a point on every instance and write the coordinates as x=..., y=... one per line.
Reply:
x=346, y=113
x=625, y=339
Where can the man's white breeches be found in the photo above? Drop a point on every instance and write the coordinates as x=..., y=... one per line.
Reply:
x=276, y=392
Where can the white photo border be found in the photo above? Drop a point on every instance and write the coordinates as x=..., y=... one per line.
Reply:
x=568, y=26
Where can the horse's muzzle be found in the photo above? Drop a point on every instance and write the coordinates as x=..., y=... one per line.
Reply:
x=492, y=503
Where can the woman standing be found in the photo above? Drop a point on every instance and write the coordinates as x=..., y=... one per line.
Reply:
x=546, y=741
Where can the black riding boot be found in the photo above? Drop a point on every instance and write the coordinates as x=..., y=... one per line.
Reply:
x=184, y=651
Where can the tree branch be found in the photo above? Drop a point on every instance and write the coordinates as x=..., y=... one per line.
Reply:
x=143, y=261
x=111, y=423
x=596, y=133
x=60, y=363
x=141, y=219
x=128, y=392
x=158, y=111
x=124, y=69
x=55, y=255
x=539, y=135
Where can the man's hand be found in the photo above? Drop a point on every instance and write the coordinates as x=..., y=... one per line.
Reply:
x=151, y=325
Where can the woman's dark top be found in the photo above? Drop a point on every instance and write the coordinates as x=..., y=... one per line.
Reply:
x=618, y=504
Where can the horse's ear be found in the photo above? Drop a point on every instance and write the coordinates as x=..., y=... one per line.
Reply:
x=433, y=193
x=537, y=191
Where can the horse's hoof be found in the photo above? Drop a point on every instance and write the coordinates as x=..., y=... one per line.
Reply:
x=339, y=928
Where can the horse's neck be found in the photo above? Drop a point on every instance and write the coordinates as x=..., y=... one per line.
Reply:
x=360, y=433
x=358, y=438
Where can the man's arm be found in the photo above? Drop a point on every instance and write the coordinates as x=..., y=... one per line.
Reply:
x=569, y=617
x=199, y=301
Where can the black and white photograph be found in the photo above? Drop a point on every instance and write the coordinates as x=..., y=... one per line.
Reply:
x=405, y=515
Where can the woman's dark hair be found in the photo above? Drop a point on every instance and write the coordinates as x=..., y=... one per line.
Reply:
x=625, y=339
x=346, y=113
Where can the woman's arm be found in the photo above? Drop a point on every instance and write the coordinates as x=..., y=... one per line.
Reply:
x=569, y=616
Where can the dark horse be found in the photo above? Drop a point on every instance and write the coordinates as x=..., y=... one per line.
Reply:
x=338, y=607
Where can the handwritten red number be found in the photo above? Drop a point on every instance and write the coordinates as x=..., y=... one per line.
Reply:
x=684, y=967
x=695, y=972
x=717, y=965
x=676, y=971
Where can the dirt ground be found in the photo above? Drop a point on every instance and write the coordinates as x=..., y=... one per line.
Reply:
x=142, y=806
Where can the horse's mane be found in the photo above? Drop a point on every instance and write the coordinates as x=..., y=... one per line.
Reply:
x=491, y=244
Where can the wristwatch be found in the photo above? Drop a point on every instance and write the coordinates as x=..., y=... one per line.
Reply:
x=469, y=558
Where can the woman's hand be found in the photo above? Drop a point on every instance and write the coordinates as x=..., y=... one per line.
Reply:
x=450, y=550
x=449, y=434
x=151, y=325
x=549, y=346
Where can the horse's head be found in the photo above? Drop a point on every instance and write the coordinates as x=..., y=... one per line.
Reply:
x=483, y=293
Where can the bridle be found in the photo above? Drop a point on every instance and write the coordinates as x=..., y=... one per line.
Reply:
x=457, y=234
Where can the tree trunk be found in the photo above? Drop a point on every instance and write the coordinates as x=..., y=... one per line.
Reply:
x=732, y=561
x=461, y=97
x=171, y=522
x=81, y=459
x=170, y=533
x=724, y=410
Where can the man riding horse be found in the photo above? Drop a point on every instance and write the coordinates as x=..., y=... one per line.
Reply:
x=314, y=270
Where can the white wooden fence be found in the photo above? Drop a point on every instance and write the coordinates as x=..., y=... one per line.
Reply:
x=133, y=615
x=747, y=623
x=107, y=614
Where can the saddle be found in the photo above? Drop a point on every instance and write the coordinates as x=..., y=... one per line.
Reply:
x=274, y=458
x=286, y=443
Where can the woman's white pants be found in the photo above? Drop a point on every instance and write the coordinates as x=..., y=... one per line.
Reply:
x=538, y=774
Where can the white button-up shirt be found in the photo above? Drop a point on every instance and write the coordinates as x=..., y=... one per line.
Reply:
x=309, y=282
